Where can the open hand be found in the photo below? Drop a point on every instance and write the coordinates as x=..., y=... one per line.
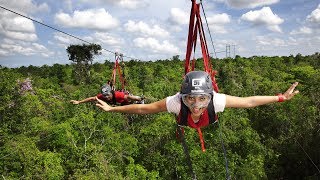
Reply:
x=103, y=105
x=290, y=92
x=75, y=102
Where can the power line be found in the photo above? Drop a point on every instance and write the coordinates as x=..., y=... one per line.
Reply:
x=214, y=50
x=308, y=155
x=68, y=34
x=228, y=50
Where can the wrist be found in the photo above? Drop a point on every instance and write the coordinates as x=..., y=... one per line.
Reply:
x=280, y=97
x=110, y=109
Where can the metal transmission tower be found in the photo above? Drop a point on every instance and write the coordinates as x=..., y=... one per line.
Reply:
x=229, y=49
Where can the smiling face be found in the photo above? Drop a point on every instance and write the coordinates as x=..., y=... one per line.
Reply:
x=196, y=103
x=197, y=112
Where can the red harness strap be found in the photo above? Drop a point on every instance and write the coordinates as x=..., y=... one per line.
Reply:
x=201, y=140
x=195, y=27
x=185, y=119
x=117, y=68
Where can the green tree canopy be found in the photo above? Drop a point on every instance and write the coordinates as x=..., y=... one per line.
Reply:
x=82, y=56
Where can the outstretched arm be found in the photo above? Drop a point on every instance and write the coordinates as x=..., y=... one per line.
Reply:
x=253, y=101
x=89, y=99
x=133, y=98
x=156, y=107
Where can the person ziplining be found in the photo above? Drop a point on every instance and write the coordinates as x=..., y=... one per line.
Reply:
x=111, y=97
x=109, y=94
x=198, y=102
x=196, y=93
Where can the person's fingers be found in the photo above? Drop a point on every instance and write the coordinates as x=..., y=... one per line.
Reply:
x=289, y=96
x=99, y=100
x=293, y=86
x=294, y=93
x=99, y=105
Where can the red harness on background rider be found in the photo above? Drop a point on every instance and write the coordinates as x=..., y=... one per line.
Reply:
x=114, y=72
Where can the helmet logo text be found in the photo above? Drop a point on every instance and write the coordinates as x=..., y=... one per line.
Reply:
x=197, y=82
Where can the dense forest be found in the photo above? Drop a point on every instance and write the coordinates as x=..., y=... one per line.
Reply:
x=44, y=136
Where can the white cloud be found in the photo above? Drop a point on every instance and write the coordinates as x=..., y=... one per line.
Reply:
x=292, y=41
x=221, y=44
x=302, y=30
x=219, y=19
x=99, y=38
x=97, y=19
x=174, y=28
x=218, y=29
x=63, y=39
x=128, y=4
x=153, y=24
x=217, y=22
x=132, y=4
x=264, y=17
x=16, y=27
x=4, y=52
x=39, y=47
x=24, y=48
x=178, y=16
x=107, y=39
x=20, y=32
x=314, y=17
x=219, y=1
x=21, y=36
x=249, y=3
x=17, y=23
x=155, y=46
x=269, y=41
x=143, y=28
x=25, y=6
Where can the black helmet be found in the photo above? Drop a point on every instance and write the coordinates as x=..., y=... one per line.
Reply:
x=196, y=82
x=106, y=90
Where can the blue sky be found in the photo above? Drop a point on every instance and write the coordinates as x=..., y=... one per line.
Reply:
x=157, y=29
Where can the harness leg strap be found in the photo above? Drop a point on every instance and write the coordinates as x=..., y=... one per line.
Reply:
x=201, y=140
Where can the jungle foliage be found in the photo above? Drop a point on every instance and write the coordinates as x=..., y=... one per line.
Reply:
x=43, y=136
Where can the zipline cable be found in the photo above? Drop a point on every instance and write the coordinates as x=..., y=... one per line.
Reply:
x=186, y=152
x=220, y=132
x=228, y=177
x=205, y=17
x=307, y=155
x=68, y=34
